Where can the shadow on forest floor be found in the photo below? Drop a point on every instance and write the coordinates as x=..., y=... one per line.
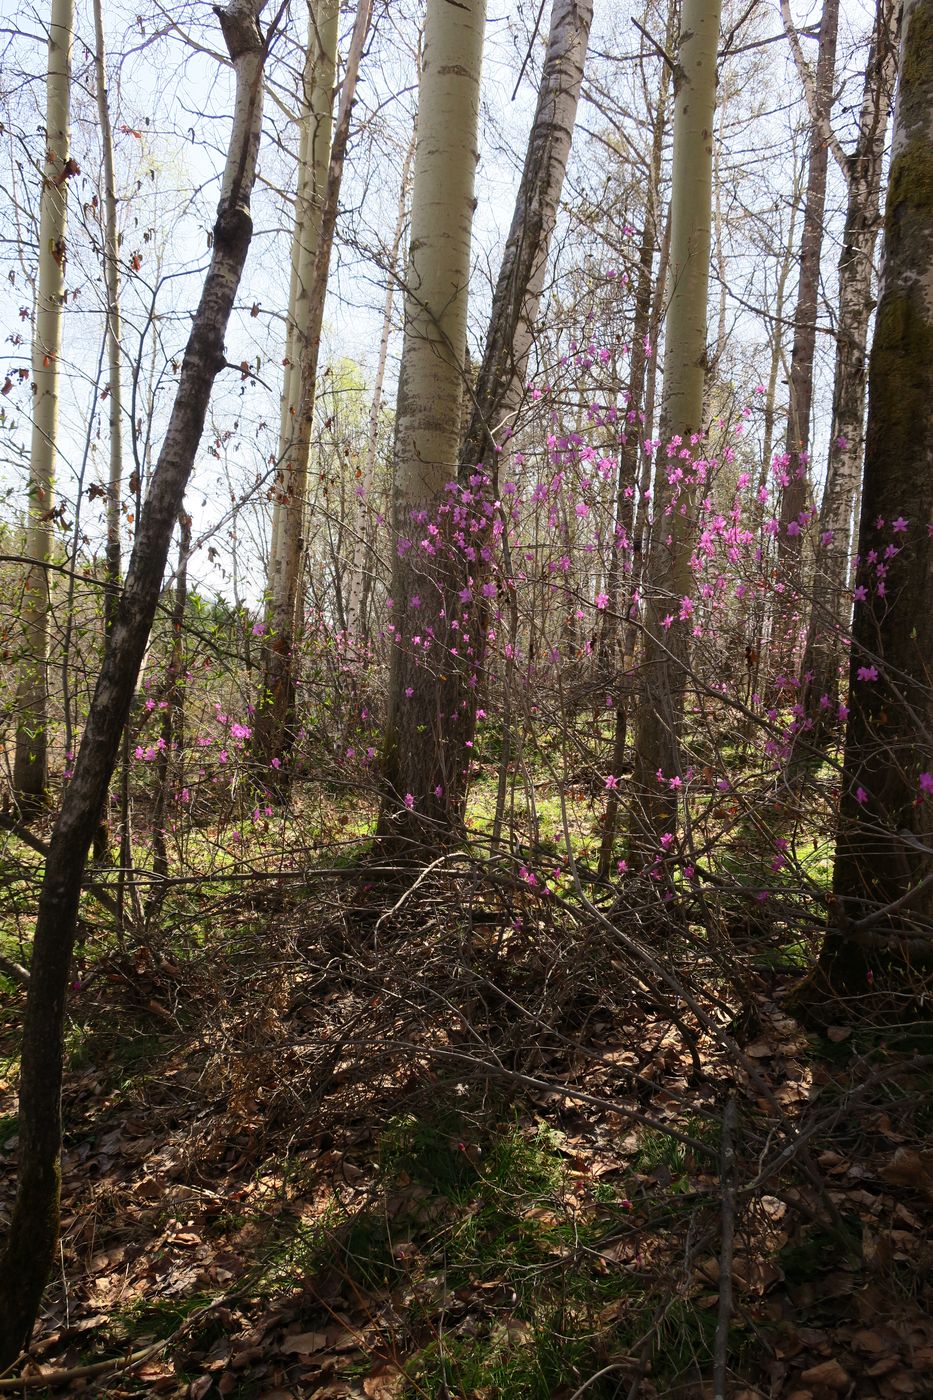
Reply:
x=474, y=1148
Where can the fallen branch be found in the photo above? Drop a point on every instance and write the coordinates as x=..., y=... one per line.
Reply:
x=116, y=1365
x=51, y=1379
x=35, y=843
x=14, y=970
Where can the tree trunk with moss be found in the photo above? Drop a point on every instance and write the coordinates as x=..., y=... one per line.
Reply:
x=424, y=749
x=883, y=881
x=668, y=577
x=30, y=762
x=29, y=1249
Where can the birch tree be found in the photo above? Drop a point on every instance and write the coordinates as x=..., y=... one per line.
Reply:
x=517, y=299
x=668, y=576
x=883, y=878
x=30, y=764
x=290, y=486
x=30, y=1245
x=795, y=476
x=832, y=610
x=275, y=710
x=423, y=747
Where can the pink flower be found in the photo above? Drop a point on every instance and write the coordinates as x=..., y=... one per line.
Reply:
x=867, y=673
x=409, y=801
x=926, y=782
x=409, y=691
x=861, y=796
x=602, y=599
x=611, y=782
x=667, y=840
x=899, y=525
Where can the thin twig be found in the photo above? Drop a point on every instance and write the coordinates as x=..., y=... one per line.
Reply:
x=659, y=49
x=449, y=855
x=727, y=1177
x=607, y=1370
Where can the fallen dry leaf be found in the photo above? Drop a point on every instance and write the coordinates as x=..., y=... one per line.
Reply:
x=304, y=1343
x=828, y=1373
x=868, y=1340
x=384, y=1384
x=911, y=1168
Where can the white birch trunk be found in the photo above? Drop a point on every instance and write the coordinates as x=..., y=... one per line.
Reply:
x=422, y=745
x=517, y=300
x=313, y=156
x=274, y=726
x=30, y=765
x=668, y=576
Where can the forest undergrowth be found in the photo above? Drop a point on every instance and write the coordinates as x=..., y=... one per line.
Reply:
x=443, y=1133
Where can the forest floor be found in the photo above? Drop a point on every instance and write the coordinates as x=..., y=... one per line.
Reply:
x=460, y=1138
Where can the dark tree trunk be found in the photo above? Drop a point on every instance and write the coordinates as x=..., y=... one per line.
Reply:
x=883, y=882
x=33, y=1235
x=832, y=608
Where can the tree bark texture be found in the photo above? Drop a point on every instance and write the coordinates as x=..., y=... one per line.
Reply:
x=668, y=575
x=795, y=480
x=832, y=609
x=33, y=1235
x=633, y=421
x=112, y=284
x=500, y=382
x=424, y=750
x=627, y=483
x=884, y=852
x=291, y=479
x=30, y=763
x=275, y=713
